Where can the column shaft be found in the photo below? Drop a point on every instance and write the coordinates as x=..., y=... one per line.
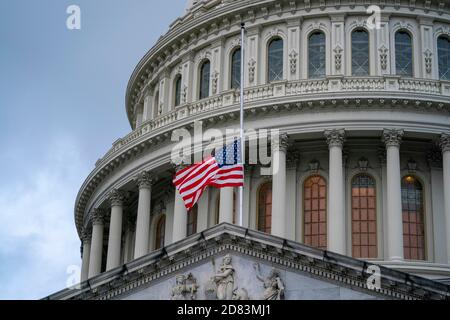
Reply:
x=336, y=214
x=85, y=261
x=142, y=243
x=445, y=145
x=226, y=205
x=279, y=186
x=115, y=231
x=179, y=219
x=392, y=139
x=95, y=258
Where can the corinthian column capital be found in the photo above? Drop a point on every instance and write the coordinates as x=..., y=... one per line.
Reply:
x=444, y=142
x=116, y=198
x=145, y=179
x=282, y=143
x=335, y=137
x=392, y=137
x=97, y=216
x=86, y=234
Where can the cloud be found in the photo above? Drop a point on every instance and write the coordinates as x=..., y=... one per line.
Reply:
x=38, y=239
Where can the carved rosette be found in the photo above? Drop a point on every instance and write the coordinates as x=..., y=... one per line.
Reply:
x=335, y=137
x=145, y=180
x=392, y=137
x=281, y=142
x=116, y=198
x=444, y=142
x=97, y=217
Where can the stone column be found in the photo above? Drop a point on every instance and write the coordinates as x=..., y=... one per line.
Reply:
x=279, y=148
x=116, y=199
x=179, y=219
x=141, y=247
x=86, y=237
x=445, y=145
x=392, y=138
x=95, y=257
x=336, y=215
x=226, y=205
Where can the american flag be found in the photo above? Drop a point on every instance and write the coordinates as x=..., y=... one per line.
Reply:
x=224, y=169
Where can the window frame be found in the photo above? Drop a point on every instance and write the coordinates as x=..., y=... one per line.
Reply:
x=201, y=76
x=411, y=38
x=303, y=225
x=352, y=69
x=308, y=53
x=268, y=63
x=447, y=38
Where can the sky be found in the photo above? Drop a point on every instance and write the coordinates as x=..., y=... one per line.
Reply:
x=62, y=96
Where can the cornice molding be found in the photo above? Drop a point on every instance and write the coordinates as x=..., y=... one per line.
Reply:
x=144, y=138
x=284, y=254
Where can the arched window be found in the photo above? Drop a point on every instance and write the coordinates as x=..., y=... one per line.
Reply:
x=444, y=57
x=192, y=221
x=160, y=232
x=360, y=53
x=275, y=60
x=364, y=217
x=316, y=55
x=315, y=212
x=403, y=54
x=177, y=100
x=236, y=69
x=265, y=208
x=218, y=209
x=413, y=219
x=205, y=74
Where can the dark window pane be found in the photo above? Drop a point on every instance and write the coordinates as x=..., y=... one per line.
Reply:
x=316, y=55
x=403, y=54
x=265, y=208
x=360, y=53
x=204, y=79
x=413, y=219
x=314, y=210
x=178, y=91
x=192, y=221
x=275, y=60
x=236, y=69
x=364, y=233
x=160, y=233
x=444, y=57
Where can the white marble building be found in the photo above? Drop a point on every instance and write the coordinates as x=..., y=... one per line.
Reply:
x=364, y=115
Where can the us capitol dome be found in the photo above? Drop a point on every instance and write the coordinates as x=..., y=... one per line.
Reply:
x=364, y=175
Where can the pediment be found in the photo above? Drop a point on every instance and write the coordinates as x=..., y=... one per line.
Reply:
x=257, y=266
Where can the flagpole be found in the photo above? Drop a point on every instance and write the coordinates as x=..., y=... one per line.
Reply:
x=241, y=189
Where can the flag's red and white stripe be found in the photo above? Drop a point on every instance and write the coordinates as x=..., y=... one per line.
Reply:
x=192, y=181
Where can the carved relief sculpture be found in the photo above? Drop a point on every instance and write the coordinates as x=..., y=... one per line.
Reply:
x=185, y=288
x=273, y=285
x=223, y=280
